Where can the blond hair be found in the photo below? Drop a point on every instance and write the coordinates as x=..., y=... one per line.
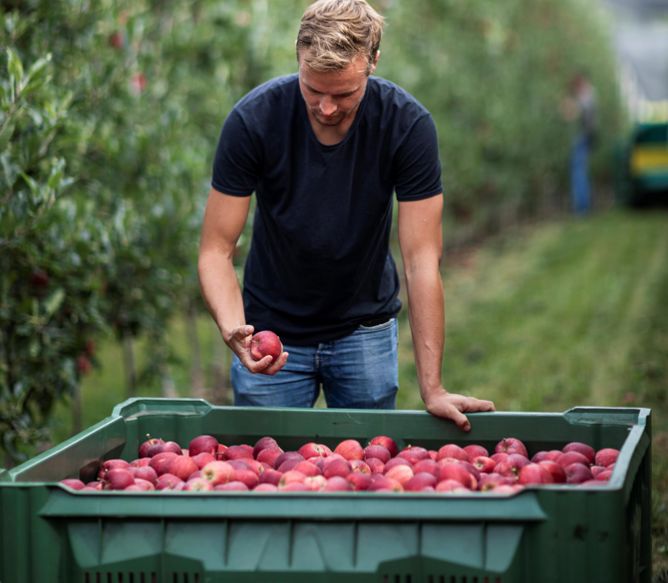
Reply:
x=333, y=32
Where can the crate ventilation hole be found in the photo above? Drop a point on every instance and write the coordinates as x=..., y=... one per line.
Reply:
x=151, y=577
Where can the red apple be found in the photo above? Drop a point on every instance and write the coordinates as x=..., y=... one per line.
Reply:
x=265, y=487
x=377, y=451
x=203, y=458
x=400, y=473
x=473, y=450
x=493, y=480
x=146, y=445
x=414, y=453
x=483, y=463
x=337, y=467
x=576, y=473
x=359, y=481
x=198, y=485
x=452, y=450
x=316, y=482
x=238, y=452
x=269, y=455
x=263, y=443
x=73, y=483
x=307, y=468
x=386, y=442
x=143, y=485
x=556, y=471
x=350, y=449
x=217, y=472
x=534, y=474
x=234, y=485
x=337, y=484
x=145, y=473
x=202, y=443
x=140, y=462
x=169, y=482
x=289, y=464
x=551, y=455
x=360, y=466
x=606, y=456
x=376, y=466
x=265, y=343
x=572, y=457
x=172, y=446
x=587, y=450
x=114, y=463
x=270, y=476
x=182, y=467
x=511, y=445
x=291, y=476
x=456, y=471
x=381, y=483
x=287, y=455
x=420, y=482
x=313, y=449
x=294, y=487
x=604, y=476
x=118, y=479
x=248, y=477
x=512, y=465
x=427, y=465
x=450, y=485
x=160, y=461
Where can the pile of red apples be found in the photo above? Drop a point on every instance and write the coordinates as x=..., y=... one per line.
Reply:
x=379, y=466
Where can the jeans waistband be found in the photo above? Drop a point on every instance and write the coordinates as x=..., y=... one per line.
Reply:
x=376, y=321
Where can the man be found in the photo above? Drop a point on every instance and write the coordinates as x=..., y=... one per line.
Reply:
x=580, y=108
x=324, y=151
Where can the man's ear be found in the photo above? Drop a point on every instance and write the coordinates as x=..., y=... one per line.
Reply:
x=374, y=63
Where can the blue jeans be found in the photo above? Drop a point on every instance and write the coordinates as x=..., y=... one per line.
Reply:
x=358, y=371
x=580, y=188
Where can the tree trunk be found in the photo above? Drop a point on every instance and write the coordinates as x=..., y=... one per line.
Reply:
x=129, y=366
x=197, y=387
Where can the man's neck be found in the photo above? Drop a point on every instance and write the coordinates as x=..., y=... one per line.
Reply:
x=331, y=135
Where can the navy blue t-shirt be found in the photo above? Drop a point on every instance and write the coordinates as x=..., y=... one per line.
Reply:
x=319, y=263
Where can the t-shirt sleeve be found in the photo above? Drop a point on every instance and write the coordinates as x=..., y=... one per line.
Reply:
x=235, y=166
x=417, y=164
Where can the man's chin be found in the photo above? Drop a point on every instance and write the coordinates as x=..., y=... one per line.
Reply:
x=328, y=121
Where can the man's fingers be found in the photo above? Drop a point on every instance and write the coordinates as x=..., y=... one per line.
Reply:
x=459, y=419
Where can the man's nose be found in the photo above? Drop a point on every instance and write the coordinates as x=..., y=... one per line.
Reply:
x=327, y=106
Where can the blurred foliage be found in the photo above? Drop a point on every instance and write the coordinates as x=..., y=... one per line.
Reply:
x=109, y=116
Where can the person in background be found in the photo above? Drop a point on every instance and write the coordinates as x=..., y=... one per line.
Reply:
x=580, y=108
x=326, y=150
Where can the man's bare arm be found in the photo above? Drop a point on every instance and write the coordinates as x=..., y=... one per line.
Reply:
x=421, y=242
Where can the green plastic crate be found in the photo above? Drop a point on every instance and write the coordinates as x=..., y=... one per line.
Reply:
x=49, y=534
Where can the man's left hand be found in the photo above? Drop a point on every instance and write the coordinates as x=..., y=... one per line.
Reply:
x=453, y=406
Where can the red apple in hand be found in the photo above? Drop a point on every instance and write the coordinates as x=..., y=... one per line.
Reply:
x=265, y=343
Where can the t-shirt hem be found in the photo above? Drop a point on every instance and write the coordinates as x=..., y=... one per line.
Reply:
x=428, y=194
x=231, y=191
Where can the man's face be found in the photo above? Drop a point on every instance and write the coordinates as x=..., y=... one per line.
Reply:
x=333, y=97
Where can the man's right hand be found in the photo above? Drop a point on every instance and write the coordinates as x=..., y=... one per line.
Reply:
x=239, y=341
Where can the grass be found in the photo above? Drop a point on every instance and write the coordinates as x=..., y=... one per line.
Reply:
x=554, y=316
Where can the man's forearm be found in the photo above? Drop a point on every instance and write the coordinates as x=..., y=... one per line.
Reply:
x=427, y=320
x=221, y=291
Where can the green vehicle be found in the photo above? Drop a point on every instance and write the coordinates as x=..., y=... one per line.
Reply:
x=644, y=165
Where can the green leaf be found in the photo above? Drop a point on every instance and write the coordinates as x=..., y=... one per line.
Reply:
x=14, y=66
x=54, y=301
x=6, y=134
